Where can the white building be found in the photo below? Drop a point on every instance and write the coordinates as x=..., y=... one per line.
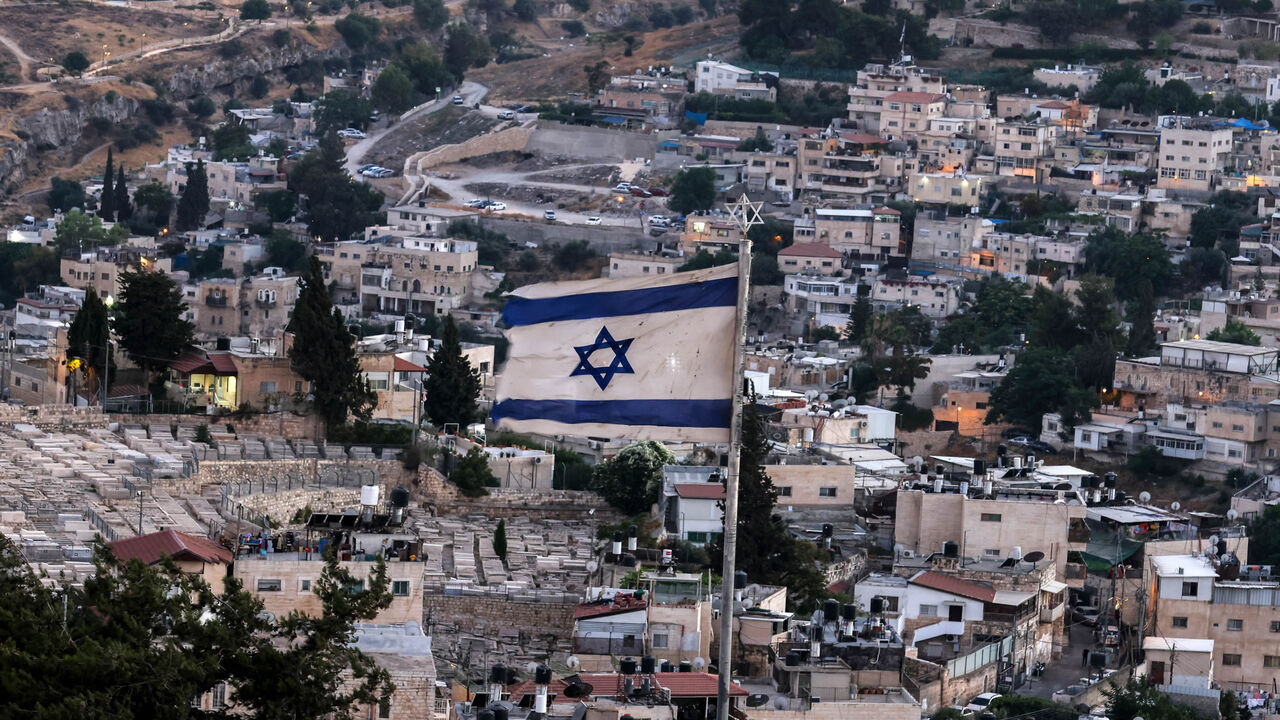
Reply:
x=689, y=503
x=721, y=78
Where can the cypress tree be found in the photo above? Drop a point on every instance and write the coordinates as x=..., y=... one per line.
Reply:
x=194, y=203
x=107, y=203
x=124, y=208
x=452, y=386
x=324, y=354
x=88, y=333
x=500, y=540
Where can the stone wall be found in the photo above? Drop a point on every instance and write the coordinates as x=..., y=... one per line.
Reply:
x=594, y=144
x=48, y=417
x=512, y=139
x=534, y=504
x=282, y=506
x=543, y=627
x=277, y=424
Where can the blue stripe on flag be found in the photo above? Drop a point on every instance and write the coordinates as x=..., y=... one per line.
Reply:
x=663, y=413
x=668, y=298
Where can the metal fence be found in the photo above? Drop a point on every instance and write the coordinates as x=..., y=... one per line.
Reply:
x=979, y=658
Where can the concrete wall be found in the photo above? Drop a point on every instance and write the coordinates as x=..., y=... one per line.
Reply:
x=804, y=482
x=541, y=625
x=595, y=144
x=510, y=140
x=292, y=596
x=604, y=238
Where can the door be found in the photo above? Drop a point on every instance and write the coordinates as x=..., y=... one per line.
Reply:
x=955, y=613
x=1157, y=672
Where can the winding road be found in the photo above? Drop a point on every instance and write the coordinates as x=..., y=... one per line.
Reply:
x=471, y=93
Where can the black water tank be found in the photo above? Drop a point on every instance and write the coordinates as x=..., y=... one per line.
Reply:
x=950, y=549
x=828, y=530
x=686, y=666
x=1111, y=479
x=877, y=605
x=849, y=611
x=627, y=666
x=940, y=469
x=793, y=659
x=223, y=343
x=485, y=715
x=979, y=467
x=512, y=676
x=740, y=580
x=648, y=665
x=399, y=497
x=497, y=674
x=500, y=712
x=542, y=675
x=830, y=609
x=666, y=666
x=1222, y=547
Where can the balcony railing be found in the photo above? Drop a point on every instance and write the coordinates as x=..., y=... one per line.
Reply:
x=264, y=303
x=215, y=300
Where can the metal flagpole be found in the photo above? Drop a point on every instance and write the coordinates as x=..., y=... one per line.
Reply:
x=746, y=214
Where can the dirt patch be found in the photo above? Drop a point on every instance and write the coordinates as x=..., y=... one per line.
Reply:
x=453, y=124
x=561, y=71
x=598, y=175
x=49, y=32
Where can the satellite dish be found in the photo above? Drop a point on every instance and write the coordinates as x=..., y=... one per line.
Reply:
x=593, y=566
x=1175, y=506
x=757, y=700
x=824, y=397
x=573, y=662
x=1213, y=539
x=899, y=549
x=1033, y=557
x=531, y=667
x=1232, y=514
x=699, y=663
x=1144, y=497
x=810, y=394
x=780, y=702
x=578, y=690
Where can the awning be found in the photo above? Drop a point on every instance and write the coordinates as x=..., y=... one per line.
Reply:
x=1011, y=598
x=223, y=364
x=1053, y=587
x=189, y=363
x=613, y=120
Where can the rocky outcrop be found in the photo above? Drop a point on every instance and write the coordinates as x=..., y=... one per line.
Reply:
x=60, y=127
x=188, y=81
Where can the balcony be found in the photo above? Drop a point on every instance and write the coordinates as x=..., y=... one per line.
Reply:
x=218, y=301
x=1049, y=615
x=265, y=303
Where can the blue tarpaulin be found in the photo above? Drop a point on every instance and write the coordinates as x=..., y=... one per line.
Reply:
x=614, y=120
x=698, y=118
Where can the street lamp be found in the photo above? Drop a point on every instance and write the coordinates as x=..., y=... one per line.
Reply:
x=110, y=302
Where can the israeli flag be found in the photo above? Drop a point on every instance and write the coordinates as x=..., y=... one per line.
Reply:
x=647, y=358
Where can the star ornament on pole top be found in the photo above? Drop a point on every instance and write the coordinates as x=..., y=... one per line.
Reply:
x=745, y=213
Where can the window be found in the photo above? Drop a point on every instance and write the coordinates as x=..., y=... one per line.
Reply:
x=991, y=552
x=266, y=387
x=1237, y=428
x=1275, y=626
x=990, y=517
x=660, y=641
x=1231, y=659
x=1235, y=624
x=1271, y=661
x=1190, y=589
x=695, y=537
x=784, y=491
x=400, y=588
x=270, y=586
x=1179, y=622
x=219, y=696
x=928, y=611
x=304, y=585
x=826, y=492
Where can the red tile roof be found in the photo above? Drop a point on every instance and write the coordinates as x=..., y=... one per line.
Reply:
x=1054, y=105
x=914, y=97
x=681, y=685
x=190, y=362
x=223, y=364
x=810, y=250
x=177, y=545
x=954, y=585
x=886, y=210
x=402, y=365
x=618, y=604
x=700, y=491
x=863, y=139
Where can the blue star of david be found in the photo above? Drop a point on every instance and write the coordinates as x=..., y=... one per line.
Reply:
x=603, y=375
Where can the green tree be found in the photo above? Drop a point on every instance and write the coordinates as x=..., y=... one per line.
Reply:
x=124, y=208
x=1052, y=320
x=107, y=200
x=337, y=206
x=597, y=76
x=155, y=202
x=693, y=189
x=580, y=5
x=1129, y=259
x=630, y=481
x=1142, y=329
x=193, y=205
x=767, y=552
x=472, y=474
x=1042, y=380
x=75, y=62
x=259, y=86
x=202, y=107
x=279, y=204
x=24, y=267
x=285, y=252
x=324, y=354
x=358, y=30
x=255, y=10
x=232, y=141
x=81, y=231
x=423, y=66
x=1235, y=331
x=1137, y=698
x=1264, y=537
x=465, y=49
x=149, y=319
x=759, y=141
x=526, y=10
x=392, y=92
x=452, y=385
x=87, y=336
x=342, y=109
x=430, y=14
x=500, y=540
x=859, y=316
x=65, y=195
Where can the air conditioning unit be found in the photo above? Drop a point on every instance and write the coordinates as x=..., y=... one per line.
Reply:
x=908, y=554
x=595, y=444
x=953, y=638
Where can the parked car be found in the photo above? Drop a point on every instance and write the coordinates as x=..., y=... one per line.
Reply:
x=457, y=100
x=981, y=702
x=362, y=168
x=622, y=187
x=506, y=115
x=659, y=220
x=641, y=192
x=1085, y=614
x=593, y=220
x=549, y=215
x=477, y=203
x=351, y=133
x=658, y=192
x=496, y=206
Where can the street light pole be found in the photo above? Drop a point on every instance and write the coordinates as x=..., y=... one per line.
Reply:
x=106, y=364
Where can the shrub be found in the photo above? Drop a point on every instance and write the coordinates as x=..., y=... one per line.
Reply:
x=574, y=28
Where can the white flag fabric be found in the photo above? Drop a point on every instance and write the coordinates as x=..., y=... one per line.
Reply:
x=647, y=358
